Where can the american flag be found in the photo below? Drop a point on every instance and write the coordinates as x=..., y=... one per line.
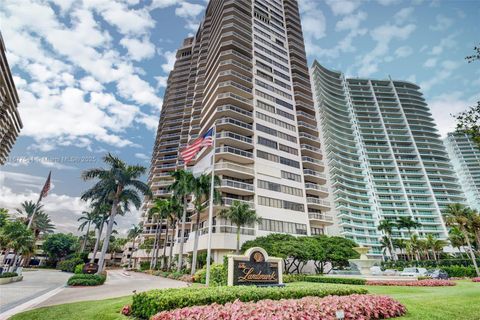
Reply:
x=192, y=149
x=46, y=187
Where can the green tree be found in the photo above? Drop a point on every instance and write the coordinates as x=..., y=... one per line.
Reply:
x=87, y=218
x=182, y=188
x=133, y=233
x=158, y=213
x=176, y=213
x=240, y=215
x=59, y=245
x=407, y=223
x=457, y=215
x=3, y=217
x=201, y=191
x=17, y=237
x=41, y=223
x=386, y=226
x=119, y=182
x=456, y=238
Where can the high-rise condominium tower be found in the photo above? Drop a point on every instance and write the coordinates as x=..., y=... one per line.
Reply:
x=465, y=156
x=245, y=72
x=10, y=123
x=385, y=157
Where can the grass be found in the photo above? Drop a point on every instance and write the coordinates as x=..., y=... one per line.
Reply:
x=423, y=303
x=461, y=302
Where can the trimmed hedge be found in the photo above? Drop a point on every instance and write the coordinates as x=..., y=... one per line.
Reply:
x=69, y=265
x=459, y=271
x=8, y=275
x=146, y=304
x=218, y=275
x=321, y=279
x=287, y=278
x=428, y=263
x=87, y=280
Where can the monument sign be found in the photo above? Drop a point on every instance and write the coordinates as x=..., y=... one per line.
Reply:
x=254, y=268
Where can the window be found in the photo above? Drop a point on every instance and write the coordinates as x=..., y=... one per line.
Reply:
x=291, y=176
x=267, y=142
x=273, y=89
x=267, y=156
x=282, y=226
x=276, y=133
x=275, y=121
x=281, y=204
x=287, y=149
x=272, y=186
x=289, y=162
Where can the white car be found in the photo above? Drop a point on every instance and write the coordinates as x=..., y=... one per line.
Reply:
x=413, y=272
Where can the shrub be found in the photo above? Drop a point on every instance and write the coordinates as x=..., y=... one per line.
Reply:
x=218, y=275
x=335, y=280
x=8, y=275
x=79, y=268
x=367, y=307
x=424, y=278
x=146, y=304
x=87, y=280
x=476, y=279
x=413, y=283
x=287, y=278
x=144, y=265
x=69, y=265
x=459, y=271
x=186, y=278
x=428, y=263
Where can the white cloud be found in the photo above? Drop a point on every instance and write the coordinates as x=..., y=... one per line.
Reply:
x=403, y=52
x=170, y=56
x=442, y=23
x=188, y=10
x=142, y=156
x=138, y=49
x=388, y=2
x=444, y=71
x=403, y=15
x=446, y=43
x=343, y=7
x=161, y=81
x=430, y=63
x=350, y=22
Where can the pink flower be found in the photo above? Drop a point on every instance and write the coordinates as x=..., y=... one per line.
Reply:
x=476, y=279
x=355, y=307
x=413, y=283
x=126, y=310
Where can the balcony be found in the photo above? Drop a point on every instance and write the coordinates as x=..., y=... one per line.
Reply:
x=237, y=187
x=316, y=189
x=231, y=124
x=234, y=170
x=314, y=176
x=235, y=140
x=234, y=155
x=320, y=219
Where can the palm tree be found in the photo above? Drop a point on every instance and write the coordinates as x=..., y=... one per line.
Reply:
x=119, y=182
x=400, y=244
x=430, y=244
x=16, y=236
x=201, y=191
x=415, y=244
x=437, y=248
x=456, y=238
x=475, y=225
x=240, y=215
x=182, y=188
x=41, y=222
x=28, y=208
x=456, y=215
x=387, y=226
x=133, y=233
x=87, y=218
x=159, y=212
x=407, y=223
x=101, y=210
x=176, y=213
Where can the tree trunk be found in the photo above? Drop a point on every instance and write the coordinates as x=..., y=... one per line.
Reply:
x=84, y=244
x=131, y=255
x=157, y=248
x=106, y=241
x=392, y=249
x=238, y=239
x=164, y=262
x=171, y=247
x=195, y=244
x=474, y=260
x=182, y=235
x=97, y=242
x=155, y=245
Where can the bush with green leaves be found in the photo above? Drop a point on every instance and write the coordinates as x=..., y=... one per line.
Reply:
x=87, y=280
x=459, y=271
x=144, y=265
x=79, y=268
x=400, y=265
x=287, y=278
x=8, y=275
x=218, y=275
x=146, y=304
x=69, y=265
x=321, y=279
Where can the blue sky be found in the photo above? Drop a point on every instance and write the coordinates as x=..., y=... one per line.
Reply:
x=91, y=75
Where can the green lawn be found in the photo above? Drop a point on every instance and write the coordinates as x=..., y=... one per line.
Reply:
x=461, y=302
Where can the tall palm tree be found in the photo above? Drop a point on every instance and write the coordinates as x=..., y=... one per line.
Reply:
x=41, y=222
x=475, y=225
x=456, y=215
x=87, y=218
x=400, y=244
x=119, y=182
x=407, y=223
x=430, y=244
x=456, y=238
x=201, y=191
x=159, y=212
x=437, y=248
x=387, y=227
x=133, y=233
x=176, y=213
x=182, y=188
x=415, y=244
x=240, y=215
x=28, y=208
x=16, y=236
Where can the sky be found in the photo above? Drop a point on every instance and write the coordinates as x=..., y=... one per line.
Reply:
x=91, y=76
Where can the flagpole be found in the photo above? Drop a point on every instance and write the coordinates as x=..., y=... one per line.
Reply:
x=39, y=199
x=210, y=208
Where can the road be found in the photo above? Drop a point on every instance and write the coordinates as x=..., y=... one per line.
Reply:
x=47, y=287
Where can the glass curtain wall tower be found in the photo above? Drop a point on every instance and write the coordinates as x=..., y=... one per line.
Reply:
x=385, y=157
x=245, y=72
x=465, y=156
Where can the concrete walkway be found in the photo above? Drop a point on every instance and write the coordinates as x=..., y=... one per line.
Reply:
x=48, y=287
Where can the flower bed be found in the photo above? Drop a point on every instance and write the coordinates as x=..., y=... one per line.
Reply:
x=476, y=279
x=413, y=283
x=366, y=307
x=146, y=304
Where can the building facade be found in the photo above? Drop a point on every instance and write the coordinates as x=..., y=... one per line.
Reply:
x=10, y=123
x=465, y=157
x=384, y=155
x=245, y=72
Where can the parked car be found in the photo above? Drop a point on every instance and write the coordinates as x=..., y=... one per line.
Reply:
x=437, y=274
x=413, y=272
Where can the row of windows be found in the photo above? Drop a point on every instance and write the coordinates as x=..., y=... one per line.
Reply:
x=291, y=176
x=279, y=188
x=276, y=133
x=274, y=145
x=274, y=158
x=273, y=89
x=273, y=99
x=282, y=226
x=270, y=52
x=275, y=121
x=266, y=28
x=281, y=204
x=274, y=63
x=271, y=45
